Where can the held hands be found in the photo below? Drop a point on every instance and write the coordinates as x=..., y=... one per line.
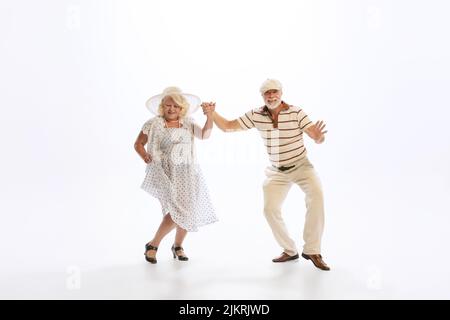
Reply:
x=208, y=108
x=317, y=132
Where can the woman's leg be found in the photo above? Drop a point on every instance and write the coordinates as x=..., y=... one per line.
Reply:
x=179, y=238
x=165, y=227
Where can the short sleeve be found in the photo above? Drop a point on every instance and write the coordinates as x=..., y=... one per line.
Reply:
x=147, y=126
x=303, y=120
x=246, y=121
x=151, y=129
x=194, y=128
x=197, y=131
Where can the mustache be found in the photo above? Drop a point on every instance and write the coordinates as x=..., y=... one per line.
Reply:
x=274, y=103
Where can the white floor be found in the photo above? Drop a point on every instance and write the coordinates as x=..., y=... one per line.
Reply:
x=252, y=278
x=199, y=279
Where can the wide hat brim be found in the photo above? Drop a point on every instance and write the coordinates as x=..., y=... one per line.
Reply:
x=153, y=103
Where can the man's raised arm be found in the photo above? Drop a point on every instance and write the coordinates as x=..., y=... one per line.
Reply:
x=223, y=124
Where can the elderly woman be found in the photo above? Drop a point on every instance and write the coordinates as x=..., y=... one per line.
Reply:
x=172, y=174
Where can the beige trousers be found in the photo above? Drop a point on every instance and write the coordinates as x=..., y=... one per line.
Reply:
x=276, y=187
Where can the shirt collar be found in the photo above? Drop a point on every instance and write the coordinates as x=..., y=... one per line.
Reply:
x=285, y=107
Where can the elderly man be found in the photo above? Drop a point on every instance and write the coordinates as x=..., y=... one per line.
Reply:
x=281, y=127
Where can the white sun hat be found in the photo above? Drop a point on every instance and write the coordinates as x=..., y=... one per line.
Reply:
x=153, y=103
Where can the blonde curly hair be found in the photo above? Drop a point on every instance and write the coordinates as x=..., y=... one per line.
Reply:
x=177, y=97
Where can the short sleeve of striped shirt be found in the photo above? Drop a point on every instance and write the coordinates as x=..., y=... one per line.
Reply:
x=246, y=121
x=303, y=120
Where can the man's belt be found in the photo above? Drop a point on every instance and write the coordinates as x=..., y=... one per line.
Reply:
x=283, y=168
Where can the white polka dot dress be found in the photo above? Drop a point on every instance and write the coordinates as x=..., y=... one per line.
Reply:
x=174, y=177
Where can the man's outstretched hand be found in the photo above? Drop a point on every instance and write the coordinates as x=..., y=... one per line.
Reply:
x=317, y=132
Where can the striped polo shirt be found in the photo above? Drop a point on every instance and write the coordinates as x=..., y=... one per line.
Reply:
x=283, y=137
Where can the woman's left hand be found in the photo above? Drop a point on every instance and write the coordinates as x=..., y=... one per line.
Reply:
x=208, y=108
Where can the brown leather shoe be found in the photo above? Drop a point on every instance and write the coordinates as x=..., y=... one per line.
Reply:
x=317, y=260
x=285, y=257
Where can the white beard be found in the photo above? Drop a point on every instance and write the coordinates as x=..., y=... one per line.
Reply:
x=273, y=105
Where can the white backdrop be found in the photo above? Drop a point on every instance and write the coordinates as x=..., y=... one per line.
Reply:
x=74, y=78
